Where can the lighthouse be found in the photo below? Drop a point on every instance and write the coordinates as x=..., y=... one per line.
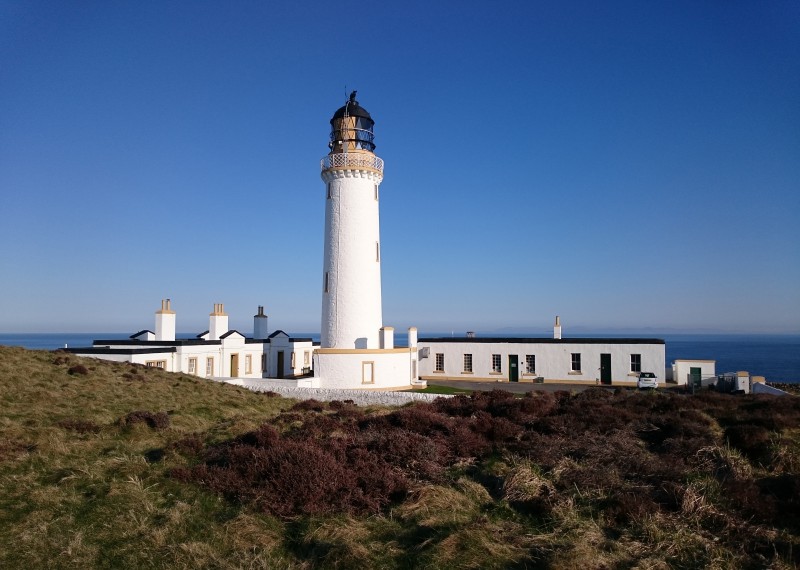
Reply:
x=351, y=274
x=356, y=349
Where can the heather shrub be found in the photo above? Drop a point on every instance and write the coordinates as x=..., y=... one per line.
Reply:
x=78, y=369
x=155, y=420
x=79, y=426
x=310, y=405
x=752, y=440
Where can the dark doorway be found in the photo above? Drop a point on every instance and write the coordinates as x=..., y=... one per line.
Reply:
x=279, y=371
x=605, y=369
x=513, y=368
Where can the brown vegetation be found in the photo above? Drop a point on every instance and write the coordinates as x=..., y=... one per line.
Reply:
x=94, y=471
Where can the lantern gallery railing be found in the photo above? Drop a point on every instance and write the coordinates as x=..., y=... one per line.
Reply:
x=352, y=160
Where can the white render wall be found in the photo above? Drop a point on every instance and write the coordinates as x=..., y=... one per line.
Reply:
x=351, y=369
x=351, y=307
x=553, y=360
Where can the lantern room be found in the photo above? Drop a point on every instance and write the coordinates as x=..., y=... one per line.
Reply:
x=352, y=128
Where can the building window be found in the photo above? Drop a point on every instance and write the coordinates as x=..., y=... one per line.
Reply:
x=576, y=361
x=468, y=363
x=439, y=362
x=326, y=282
x=497, y=365
x=292, y=360
x=192, y=366
x=636, y=362
x=157, y=363
x=248, y=363
x=209, y=366
x=414, y=369
x=530, y=364
x=306, y=358
x=263, y=361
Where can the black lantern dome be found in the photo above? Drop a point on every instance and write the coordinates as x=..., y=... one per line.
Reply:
x=352, y=128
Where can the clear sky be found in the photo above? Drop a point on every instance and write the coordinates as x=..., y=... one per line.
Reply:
x=626, y=165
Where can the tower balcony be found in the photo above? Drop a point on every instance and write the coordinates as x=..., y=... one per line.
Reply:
x=357, y=160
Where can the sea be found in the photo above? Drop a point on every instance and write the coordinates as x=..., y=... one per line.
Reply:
x=774, y=356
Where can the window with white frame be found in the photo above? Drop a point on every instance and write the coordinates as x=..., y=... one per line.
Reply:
x=497, y=363
x=576, y=361
x=306, y=358
x=209, y=366
x=439, y=362
x=192, y=366
x=636, y=362
x=467, y=363
x=293, y=365
x=530, y=364
x=248, y=363
x=157, y=363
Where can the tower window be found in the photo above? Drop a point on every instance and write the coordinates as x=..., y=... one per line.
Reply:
x=376, y=191
x=377, y=251
x=328, y=185
x=326, y=282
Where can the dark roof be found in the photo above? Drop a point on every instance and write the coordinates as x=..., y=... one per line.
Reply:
x=155, y=343
x=202, y=334
x=547, y=340
x=104, y=350
x=231, y=332
x=276, y=333
x=140, y=333
x=352, y=108
x=293, y=339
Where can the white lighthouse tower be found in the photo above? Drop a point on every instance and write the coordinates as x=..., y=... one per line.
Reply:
x=356, y=350
x=351, y=289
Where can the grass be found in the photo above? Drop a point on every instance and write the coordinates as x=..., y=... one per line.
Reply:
x=114, y=465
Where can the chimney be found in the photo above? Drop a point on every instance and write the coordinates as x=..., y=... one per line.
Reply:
x=387, y=337
x=557, y=328
x=218, y=322
x=260, y=330
x=165, y=322
x=412, y=337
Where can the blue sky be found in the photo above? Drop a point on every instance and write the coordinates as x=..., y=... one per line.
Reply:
x=626, y=165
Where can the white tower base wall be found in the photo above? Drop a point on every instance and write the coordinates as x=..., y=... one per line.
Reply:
x=364, y=369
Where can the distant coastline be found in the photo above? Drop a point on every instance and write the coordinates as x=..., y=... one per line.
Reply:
x=774, y=356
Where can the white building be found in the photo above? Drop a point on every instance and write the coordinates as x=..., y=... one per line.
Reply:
x=564, y=360
x=215, y=353
x=356, y=350
x=694, y=372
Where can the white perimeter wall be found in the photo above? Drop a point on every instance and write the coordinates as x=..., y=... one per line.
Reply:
x=553, y=360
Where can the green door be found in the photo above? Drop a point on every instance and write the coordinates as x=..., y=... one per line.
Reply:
x=694, y=375
x=605, y=369
x=513, y=368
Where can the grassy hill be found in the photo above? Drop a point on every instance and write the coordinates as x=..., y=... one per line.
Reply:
x=115, y=465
